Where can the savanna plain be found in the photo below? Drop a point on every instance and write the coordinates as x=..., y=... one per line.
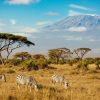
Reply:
x=82, y=86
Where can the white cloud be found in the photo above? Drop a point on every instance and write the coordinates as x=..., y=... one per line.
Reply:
x=24, y=2
x=26, y=35
x=43, y=23
x=51, y=13
x=13, y=21
x=29, y=30
x=80, y=7
x=80, y=38
x=73, y=38
x=22, y=34
x=74, y=13
x=94, y=40
x=77, y=29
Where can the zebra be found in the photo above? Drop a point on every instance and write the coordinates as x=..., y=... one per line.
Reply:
x=60, y=79
x=27, y=80
x=3, y=77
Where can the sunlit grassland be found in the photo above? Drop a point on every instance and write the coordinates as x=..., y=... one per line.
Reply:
x=83, y=86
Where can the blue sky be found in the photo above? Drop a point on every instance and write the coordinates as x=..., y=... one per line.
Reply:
x=28, y=16
x=31, y=14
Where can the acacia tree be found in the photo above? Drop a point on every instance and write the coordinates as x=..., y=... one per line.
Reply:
x=22, y=55
x=10, y=42
x=59, y=54
x=38, y=56
x=81, y=52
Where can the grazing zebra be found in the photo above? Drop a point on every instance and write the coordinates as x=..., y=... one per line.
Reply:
x=27, y=80
x=61, y=80
x=3, y=77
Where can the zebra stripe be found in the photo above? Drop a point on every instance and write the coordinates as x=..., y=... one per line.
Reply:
x=26, y=80
x=60, y=79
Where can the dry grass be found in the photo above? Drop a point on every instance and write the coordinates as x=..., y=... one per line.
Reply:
x=82, y=86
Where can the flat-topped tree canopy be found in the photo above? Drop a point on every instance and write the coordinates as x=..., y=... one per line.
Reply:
x=85, y=49
x=15, y=38
x=60, y=54
x=80, y=52
x=22, y=55
x=10, y=42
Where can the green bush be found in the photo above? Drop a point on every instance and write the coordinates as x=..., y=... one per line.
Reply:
x=83, y=65
x=97, y=63
x=51, y=61
x=14, y=62
x=40, y=61
x=70, y=62
x=30, y=65
x=89, y=60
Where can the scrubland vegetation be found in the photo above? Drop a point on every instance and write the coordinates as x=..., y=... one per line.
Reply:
x=83, y=74
x=83, y=85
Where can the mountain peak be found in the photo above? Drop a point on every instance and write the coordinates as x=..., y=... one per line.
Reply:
x=88, y=21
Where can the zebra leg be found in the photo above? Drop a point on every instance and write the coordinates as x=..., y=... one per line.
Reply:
x=36, y=88
x=26, y=87
x=18, y=86
x=30, y=89
x=4, y=78
x=53, y=82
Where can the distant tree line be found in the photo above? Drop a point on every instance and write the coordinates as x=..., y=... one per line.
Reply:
x=10, y=42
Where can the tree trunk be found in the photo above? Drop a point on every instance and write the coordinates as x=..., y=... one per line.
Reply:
x=57, y=60
x=1, y=59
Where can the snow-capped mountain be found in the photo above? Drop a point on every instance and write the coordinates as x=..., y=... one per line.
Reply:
x=84, y=21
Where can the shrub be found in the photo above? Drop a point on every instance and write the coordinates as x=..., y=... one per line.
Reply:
x=34, y=64
x=83, y=65
x=71, y=62
x=14, y=62
x=40, y=61
x=89, y=60
x=97, y=63
x=51, y=61
x=30, y=65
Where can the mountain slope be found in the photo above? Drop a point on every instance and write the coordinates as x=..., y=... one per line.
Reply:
x=88, y=21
